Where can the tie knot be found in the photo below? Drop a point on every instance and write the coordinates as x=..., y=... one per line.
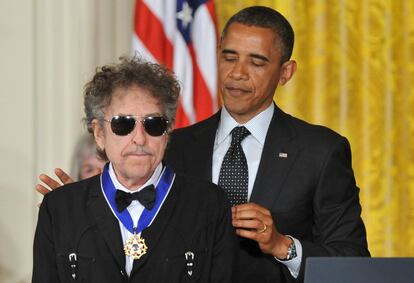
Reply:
x=238, y=134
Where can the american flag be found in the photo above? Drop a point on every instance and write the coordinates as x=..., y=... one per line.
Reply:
x=182, y=35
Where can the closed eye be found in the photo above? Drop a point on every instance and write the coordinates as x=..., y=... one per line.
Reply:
x=229, y=55
x=259, y=60
x=258, y=63
x=229, y=58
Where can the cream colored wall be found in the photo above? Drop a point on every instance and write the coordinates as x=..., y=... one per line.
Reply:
x=48, y=50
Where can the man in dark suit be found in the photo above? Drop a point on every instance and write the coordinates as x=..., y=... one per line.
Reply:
x=296, y=194
x=137, y=221
x=301, y=199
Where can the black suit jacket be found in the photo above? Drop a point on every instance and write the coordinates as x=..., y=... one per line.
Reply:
x=76, y=218
x=305, y=179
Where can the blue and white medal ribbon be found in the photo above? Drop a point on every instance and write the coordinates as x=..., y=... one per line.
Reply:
x=135, y=246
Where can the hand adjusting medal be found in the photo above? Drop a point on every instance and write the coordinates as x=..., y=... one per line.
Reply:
x=135, y=247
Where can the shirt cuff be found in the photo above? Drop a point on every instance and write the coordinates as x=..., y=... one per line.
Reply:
x=294, y=264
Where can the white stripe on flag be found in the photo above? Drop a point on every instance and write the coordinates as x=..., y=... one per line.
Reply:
x=140, y=50
x=204, y=42
x=183, y=68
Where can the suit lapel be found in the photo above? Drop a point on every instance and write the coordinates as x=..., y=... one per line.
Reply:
x=153, y=233
x=201, y=155
x=108, y=226
x=277, y=158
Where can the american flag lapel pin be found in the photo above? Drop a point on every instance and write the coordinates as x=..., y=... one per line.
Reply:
x=283, y=155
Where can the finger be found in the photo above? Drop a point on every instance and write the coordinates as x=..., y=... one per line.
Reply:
x=252, y=234
x=248, y=224
x=42, y=189
x=252, y=206
x=249, y=214
x=51, y=183
x=63, y=176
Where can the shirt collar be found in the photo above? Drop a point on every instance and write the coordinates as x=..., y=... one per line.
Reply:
x=257, y=126
x=152, y=180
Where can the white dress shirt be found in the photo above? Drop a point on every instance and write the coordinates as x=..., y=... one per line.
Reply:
x=135, y=209
x=253, y=147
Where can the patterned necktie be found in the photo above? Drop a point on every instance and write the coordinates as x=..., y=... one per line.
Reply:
x=234, y=174
x=145, y=196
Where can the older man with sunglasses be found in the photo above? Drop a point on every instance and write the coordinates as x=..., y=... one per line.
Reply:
x=137, y=221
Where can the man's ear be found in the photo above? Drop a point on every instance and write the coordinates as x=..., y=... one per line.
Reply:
x=98, y=133
x=288, y=69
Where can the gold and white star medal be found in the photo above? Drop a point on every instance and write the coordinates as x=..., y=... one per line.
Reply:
x=135, y=247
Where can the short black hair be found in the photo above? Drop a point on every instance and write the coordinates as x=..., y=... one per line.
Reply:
x=265, y=17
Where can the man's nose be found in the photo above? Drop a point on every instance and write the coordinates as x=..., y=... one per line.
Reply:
x=139, y=135
x=239, y=71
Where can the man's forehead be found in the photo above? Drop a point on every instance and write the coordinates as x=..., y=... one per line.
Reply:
x=244, y=29
x=135, y=92
x=134, y=99
x=252, y=41
x=238, y=32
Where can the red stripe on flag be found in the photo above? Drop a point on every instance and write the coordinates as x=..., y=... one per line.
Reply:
x=150, y=30
x=181, y=120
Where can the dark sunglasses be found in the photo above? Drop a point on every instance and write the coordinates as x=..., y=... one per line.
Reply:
x=123, y=125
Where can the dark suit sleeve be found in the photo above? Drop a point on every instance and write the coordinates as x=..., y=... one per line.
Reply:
x=44, y=255
x=338, y=229
x=224, y=252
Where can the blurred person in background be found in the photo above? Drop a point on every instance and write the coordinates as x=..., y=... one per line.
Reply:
x=85, y=164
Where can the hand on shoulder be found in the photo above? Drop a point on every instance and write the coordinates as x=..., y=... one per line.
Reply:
x=50, y=184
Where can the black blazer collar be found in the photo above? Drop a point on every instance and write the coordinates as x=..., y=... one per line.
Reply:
x=153, y=234
x=108, y=226
x=204, y=135
x=277, y=158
